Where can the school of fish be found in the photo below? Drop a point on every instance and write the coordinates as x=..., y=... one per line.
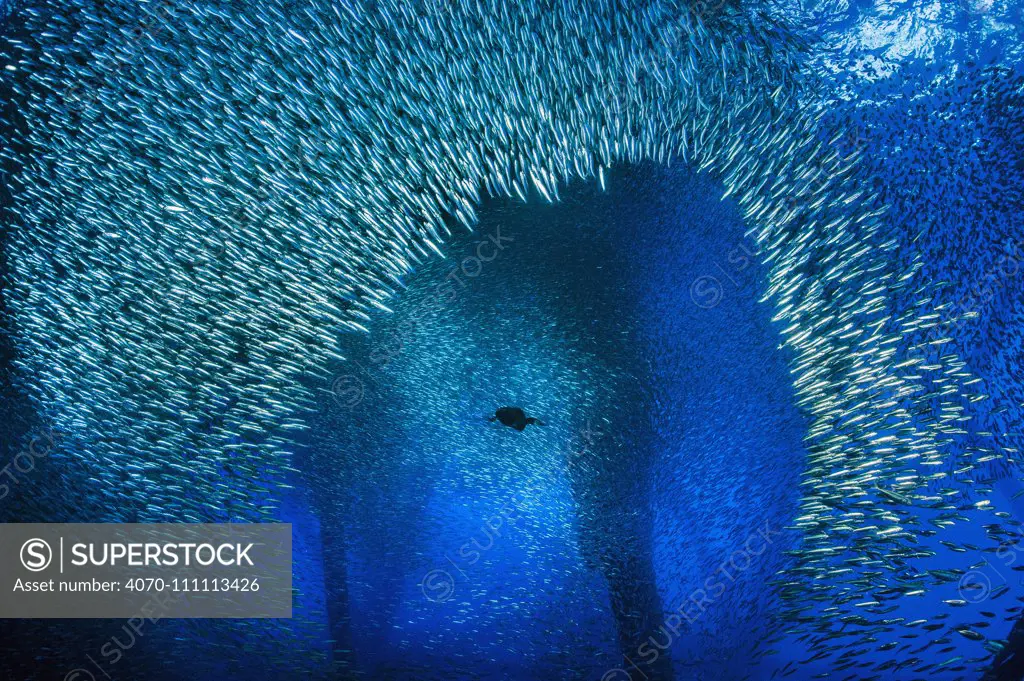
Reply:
x=208, y=197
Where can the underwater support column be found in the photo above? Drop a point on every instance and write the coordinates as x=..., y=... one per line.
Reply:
x=336, y=588
x=615, y=531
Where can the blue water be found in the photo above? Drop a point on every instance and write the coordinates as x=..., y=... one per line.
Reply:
x=430, y=544
x=693, y=400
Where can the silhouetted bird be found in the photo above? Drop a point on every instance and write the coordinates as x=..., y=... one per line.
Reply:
x=514, y=417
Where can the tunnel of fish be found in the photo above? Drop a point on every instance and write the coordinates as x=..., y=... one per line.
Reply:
x=281, y=261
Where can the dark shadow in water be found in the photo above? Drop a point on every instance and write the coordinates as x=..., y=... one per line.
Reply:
x=586, y=284
x=578, y=257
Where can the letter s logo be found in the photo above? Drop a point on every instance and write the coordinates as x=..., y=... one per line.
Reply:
x=36, y=555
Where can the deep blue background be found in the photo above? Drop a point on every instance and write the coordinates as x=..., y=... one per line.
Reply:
x=636, y=309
